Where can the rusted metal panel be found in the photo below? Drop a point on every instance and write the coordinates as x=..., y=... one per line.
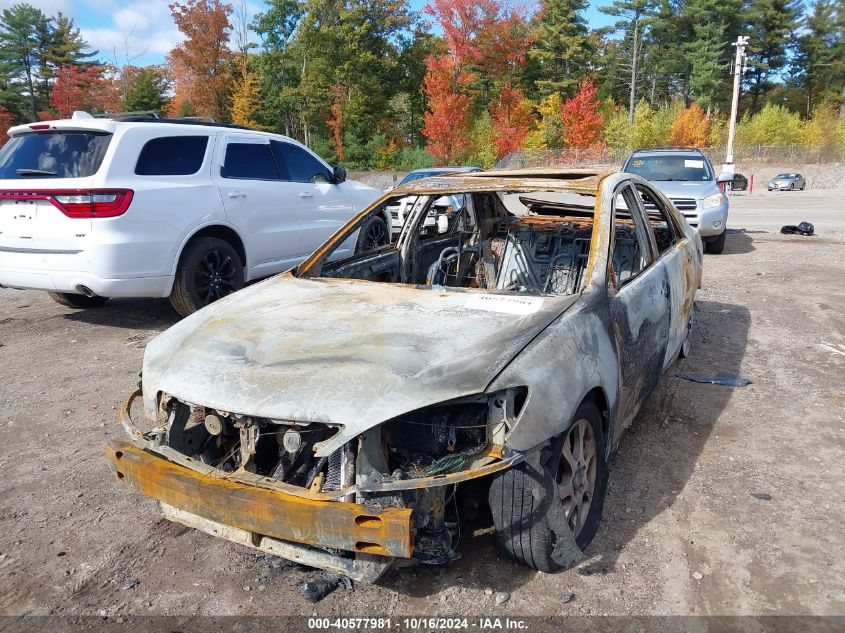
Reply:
x=362, y=567
x=346, y=526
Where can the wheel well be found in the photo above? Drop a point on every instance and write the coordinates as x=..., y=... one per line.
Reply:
x=598, y=396
x=223, y=233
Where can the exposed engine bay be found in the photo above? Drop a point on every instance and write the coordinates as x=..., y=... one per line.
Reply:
x=419, y=445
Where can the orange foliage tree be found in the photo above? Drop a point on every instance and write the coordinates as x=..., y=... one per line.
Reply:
x=446, y=123
x=484, y=33
x=512, y=120
x=200, y=64
x=582, y=123
x=78, y=88
x=5, y=124
x=335, y=120
x=691, y=127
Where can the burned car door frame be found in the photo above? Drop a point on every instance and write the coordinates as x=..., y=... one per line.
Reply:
x=639, y=309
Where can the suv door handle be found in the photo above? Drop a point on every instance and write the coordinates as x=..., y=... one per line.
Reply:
x=306, y=194
x=235, y=194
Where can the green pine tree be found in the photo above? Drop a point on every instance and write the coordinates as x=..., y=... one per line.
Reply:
x=562, y=46
x=772, y=25
x=148, y=91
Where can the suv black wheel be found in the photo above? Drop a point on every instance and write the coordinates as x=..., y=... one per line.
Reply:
x=532, y=507
x=373, y=233
x=77, y=301
x=209, y=270
x=716, y=246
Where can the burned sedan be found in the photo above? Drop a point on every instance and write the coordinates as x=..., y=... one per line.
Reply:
x=351, y=412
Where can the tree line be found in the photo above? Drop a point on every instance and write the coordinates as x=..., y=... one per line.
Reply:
x=369, y=84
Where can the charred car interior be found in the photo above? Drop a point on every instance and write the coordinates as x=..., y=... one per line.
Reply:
x=356, y=410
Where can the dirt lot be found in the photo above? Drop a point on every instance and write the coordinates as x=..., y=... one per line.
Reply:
x=722, y=500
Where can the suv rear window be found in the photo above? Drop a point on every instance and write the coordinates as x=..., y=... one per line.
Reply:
x=63, y=154
x=172, y=156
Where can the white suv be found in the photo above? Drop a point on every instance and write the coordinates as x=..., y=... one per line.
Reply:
x=96, y=208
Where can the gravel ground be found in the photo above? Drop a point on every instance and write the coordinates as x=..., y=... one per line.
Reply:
x=721, y=500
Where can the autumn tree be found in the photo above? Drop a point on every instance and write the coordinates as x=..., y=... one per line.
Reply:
x=446, y=124
x=5, y=123
x=201, y=62
x=512, y=120
x=335, y=120
x=582, y=123
x=78, y=89
x=483, y=34
x=246, y=95
x=691, y=127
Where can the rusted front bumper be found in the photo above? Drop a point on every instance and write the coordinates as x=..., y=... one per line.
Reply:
x=262, y=512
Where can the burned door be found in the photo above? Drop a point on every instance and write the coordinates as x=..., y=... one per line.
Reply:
x=638, y=292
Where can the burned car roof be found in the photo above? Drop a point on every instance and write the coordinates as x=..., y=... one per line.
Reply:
x=587, y=181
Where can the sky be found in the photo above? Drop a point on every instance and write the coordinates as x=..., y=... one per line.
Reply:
x=142, y=32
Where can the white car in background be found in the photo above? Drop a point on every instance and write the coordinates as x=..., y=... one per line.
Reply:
x=136, y=207
x=443, y=206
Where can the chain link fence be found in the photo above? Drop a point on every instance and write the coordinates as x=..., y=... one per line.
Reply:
x=614, y=157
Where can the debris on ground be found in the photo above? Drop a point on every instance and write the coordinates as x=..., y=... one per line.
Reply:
x=728, y=380
x=565, y=596
x=318, y=588
x=697, y=575
x=803, y=228
x=502, y=597
x=129, y=584
x=762, y=496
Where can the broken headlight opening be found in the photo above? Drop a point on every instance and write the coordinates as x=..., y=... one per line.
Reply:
x=426, y=460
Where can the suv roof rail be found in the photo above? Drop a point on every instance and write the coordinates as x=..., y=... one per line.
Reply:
x=120, y=115
x=679, y=148
x=207, y=121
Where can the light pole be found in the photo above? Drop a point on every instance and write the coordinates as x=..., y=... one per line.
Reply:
x=739, y=70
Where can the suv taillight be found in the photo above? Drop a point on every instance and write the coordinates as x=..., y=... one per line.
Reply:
x=80, y=203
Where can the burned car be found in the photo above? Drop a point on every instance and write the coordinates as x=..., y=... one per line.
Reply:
x=352, y=411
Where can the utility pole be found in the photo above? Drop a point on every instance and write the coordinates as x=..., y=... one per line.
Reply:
x=738, y=70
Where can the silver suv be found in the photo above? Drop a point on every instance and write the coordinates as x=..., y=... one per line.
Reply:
x=688, y=179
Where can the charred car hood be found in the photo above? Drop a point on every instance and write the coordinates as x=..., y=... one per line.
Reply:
x=353, y=353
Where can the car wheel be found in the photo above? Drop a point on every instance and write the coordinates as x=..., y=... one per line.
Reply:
x=531, y=507
x=209, y=270
x=374, y=233
x=77, y=301
x=716, y=246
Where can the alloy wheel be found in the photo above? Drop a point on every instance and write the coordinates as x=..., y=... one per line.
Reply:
x=576, y=476
x=215, y=276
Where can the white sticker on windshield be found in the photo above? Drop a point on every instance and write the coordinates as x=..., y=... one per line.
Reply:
x=505, y=304
x=694, y=163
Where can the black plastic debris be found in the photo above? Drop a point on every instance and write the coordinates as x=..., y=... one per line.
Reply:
x=762, y=496
x=728, y=380
x=318, y=588
x=803, y=228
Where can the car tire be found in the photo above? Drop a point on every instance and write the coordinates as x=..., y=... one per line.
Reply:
x=209, y=269
x=77, y=301
x=526, y=502
x=716, y=246
x=373, y=234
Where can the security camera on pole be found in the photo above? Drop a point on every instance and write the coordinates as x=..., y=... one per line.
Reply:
x=738, y=71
